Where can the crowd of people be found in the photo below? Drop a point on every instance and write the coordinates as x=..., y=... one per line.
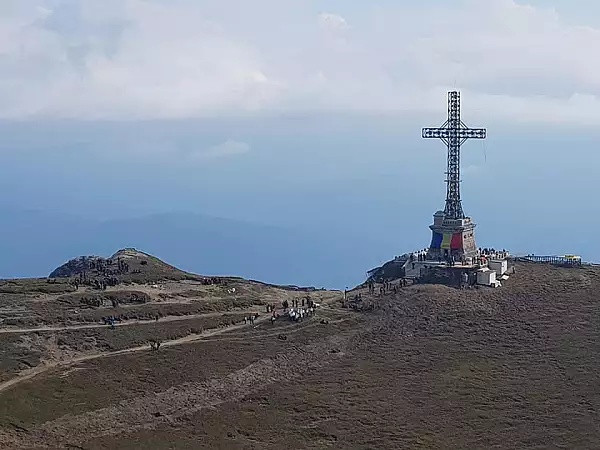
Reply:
x=295, y=310
x=209, y=281
x=387, y=286
x=106, y=274
x=250, y=319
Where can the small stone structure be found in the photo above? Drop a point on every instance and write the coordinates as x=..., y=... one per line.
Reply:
x=486, y=267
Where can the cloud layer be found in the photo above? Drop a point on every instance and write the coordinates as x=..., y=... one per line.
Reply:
x=199, y=58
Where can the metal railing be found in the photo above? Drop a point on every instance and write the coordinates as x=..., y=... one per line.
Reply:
x=552, y=259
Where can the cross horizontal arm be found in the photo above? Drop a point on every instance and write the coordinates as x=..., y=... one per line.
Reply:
x=460, y=133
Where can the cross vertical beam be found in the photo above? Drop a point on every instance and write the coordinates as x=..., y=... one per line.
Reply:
x=453, y=202
x=453, y=133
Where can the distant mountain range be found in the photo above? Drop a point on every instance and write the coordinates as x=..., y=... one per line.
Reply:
x=34, y=243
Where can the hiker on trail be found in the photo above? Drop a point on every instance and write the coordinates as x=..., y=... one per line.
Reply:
x=245, y=320
x=273, y=320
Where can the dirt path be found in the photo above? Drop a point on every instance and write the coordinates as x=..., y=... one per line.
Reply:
x=149, y=411
x=119, y=324
x=47, y=365
x=275, y=332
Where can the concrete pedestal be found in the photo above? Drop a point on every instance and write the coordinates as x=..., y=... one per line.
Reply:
x=452, y=238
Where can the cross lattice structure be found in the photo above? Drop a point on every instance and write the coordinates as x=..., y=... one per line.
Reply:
x=454, y=133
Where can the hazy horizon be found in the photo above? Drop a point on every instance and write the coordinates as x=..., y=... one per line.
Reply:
x=369, y=192
x=123, y=110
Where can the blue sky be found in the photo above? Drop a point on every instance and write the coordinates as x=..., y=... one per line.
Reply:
x=306, y=115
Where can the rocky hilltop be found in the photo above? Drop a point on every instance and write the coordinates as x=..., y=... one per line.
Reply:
x=127, y=264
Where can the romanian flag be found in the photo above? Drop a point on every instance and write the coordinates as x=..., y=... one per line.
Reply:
x=436, y=240
x=457, y=241
x=446, y=241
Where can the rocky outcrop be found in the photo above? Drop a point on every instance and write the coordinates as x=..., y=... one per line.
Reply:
x=127, y=265
x=78, y=266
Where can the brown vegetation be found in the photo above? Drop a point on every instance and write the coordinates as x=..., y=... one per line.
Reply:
x=432, y=368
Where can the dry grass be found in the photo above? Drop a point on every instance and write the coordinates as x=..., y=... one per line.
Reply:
x=434, y=368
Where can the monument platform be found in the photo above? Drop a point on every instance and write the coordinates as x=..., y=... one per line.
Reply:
x=452, y=239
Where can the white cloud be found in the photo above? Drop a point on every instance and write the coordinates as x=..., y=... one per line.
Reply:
x=224, y=149
x=332, y=22
x=192, y=58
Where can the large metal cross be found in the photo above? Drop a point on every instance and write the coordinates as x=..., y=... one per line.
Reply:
x=454, y=133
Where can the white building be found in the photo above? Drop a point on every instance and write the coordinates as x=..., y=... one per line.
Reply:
x=486, y=277
x=500, y=266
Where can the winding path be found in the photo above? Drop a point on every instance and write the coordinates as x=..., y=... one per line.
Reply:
x=119, y=324
x=48, y=365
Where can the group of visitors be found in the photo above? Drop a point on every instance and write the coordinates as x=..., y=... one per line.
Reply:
x=250, y=319
x=298, y=315
x=155, y=344
x=386, y=287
